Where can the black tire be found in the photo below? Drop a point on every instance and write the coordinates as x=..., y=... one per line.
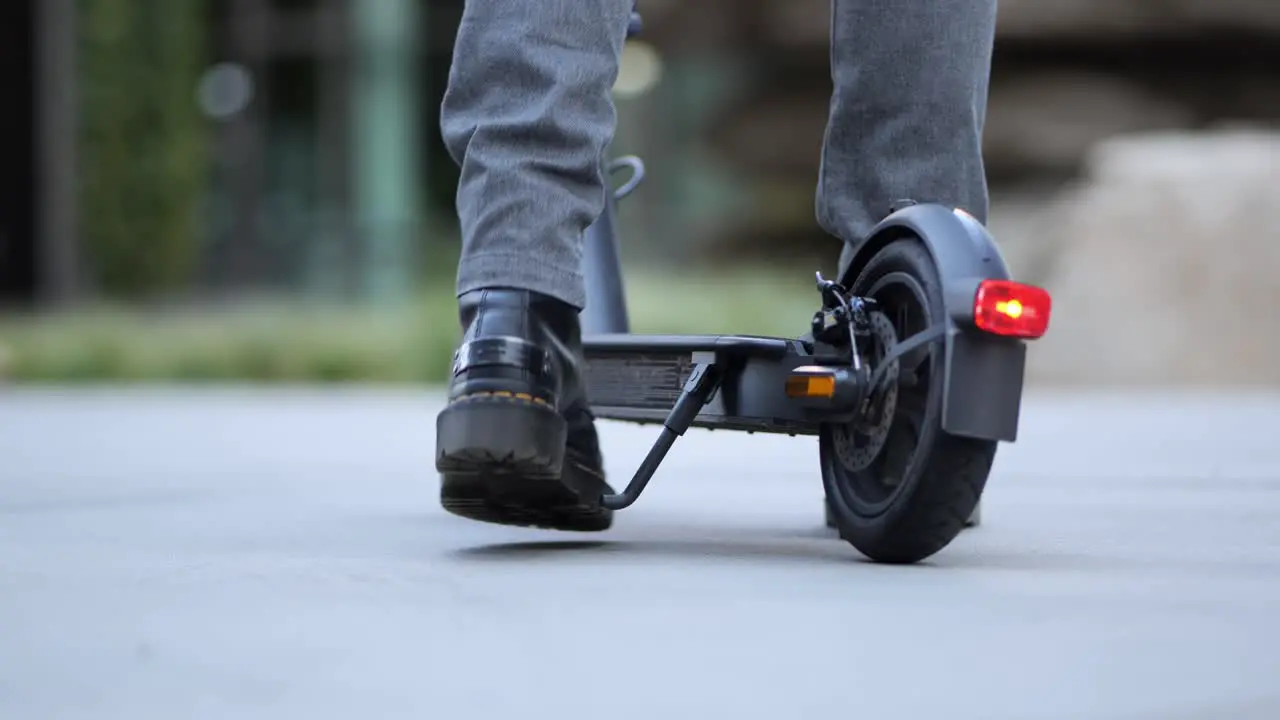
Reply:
x=939, y=481
x=829, y=518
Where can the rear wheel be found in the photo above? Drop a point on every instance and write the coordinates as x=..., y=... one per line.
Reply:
x=899, y=488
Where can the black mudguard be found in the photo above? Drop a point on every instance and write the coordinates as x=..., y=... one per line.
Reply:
x=984, y=374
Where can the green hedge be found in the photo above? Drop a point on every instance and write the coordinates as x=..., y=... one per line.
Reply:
x=267, y=344
x=143, y=154
x=299, y=343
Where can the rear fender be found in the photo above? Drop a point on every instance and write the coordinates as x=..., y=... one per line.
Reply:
x=983, y=374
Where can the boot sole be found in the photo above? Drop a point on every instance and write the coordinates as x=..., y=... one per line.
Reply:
x=502, y=459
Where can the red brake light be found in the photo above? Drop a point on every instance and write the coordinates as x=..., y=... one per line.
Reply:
x=1004, y=307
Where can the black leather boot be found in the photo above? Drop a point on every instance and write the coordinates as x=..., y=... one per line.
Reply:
x=517, y=443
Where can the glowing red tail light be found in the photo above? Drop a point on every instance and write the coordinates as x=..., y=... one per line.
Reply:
x=1012, y=309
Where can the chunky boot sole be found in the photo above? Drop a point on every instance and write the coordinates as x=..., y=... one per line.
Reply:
x=502, y=432
x=502, y=460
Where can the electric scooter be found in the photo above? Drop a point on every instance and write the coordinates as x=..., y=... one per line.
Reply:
x=909, y=373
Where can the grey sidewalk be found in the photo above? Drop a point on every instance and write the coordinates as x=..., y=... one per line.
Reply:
x=279, y=554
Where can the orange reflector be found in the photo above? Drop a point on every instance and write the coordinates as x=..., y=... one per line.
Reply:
x=811, y=382
x=1012, y=309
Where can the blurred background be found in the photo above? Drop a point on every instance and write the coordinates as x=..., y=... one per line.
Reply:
x=256, y=189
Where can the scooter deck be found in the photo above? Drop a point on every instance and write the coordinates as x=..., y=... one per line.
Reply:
x=639, y=378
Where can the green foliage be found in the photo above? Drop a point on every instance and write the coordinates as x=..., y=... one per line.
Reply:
x=300, y=343
x=266, y=343
x=143, y=142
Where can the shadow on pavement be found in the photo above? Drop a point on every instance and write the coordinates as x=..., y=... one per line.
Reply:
x=716, y=549
x=822, y=547
x=813, y=547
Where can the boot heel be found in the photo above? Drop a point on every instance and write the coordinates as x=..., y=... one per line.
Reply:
x=501, y=434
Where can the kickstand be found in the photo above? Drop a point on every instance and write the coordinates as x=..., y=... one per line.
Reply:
x=698, y=389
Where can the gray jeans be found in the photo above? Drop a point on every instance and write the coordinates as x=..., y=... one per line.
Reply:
x=528, y=115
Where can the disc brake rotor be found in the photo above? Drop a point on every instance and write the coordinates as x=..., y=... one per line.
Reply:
x=860, y=442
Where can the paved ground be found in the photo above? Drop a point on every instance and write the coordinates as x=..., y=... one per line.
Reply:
x=246, y=554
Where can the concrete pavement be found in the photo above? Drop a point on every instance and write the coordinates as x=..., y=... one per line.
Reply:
x=243, y=553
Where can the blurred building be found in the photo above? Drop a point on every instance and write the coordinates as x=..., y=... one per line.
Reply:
x=329, y=162
x=315, y=120
x=311, y=130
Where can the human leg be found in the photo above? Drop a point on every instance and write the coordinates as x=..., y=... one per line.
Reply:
x=527, y=116
x=908, y=106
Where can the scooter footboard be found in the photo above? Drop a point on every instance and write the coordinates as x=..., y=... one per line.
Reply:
x=639, y=378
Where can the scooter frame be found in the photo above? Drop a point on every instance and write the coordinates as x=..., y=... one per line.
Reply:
x=735, y=382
